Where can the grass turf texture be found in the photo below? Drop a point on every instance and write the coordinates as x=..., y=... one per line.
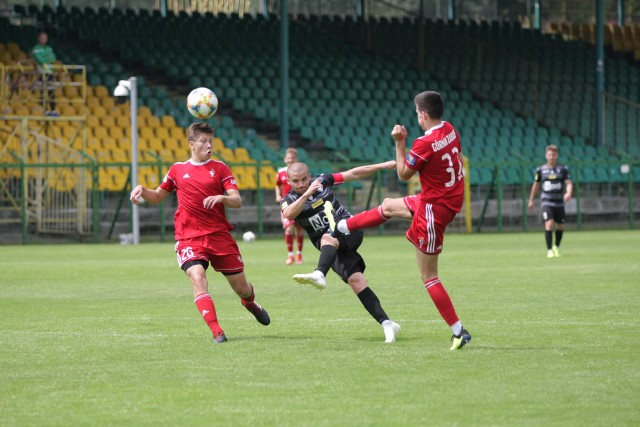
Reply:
x=109, y=335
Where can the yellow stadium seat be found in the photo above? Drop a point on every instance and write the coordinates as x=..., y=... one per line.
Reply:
x=267, y=179
x=179, y=133
x=168, y=121
x=226, y=154
x=242, y=155
x=144, y=111
x=71, y=92
x=107, y=121
x=146, y=132
x=68, y=110
x=101, y=91
x=99, y=132
x=69, y=130
x=92, y=121
x=92, y=102
x=218, y=144
x=108, y=103
x=98, y=111
x=54, y=131
x=162, y=133
x=115, y=132
x=122, y=121
x=152, y=121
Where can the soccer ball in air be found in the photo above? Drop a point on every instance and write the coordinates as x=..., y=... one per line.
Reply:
x=202, y=103
x=249, y=236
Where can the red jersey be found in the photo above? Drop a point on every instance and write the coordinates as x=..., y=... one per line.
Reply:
x=282, y=181
x=194, y=182
x=435, y=157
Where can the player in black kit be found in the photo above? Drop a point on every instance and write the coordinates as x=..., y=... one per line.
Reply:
x=557, y=187
x=312, y=204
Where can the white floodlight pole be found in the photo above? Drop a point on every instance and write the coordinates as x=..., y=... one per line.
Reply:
x=133, y=94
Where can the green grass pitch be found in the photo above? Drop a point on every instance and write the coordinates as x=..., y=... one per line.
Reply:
x=103, y=335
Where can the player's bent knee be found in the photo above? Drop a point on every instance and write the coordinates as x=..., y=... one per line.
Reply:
x=328, y=240
x=357, y=282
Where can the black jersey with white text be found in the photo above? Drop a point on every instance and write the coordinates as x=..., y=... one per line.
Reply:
x=552, y=186
x=312, y=217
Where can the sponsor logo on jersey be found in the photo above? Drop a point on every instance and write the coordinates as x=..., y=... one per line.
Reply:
x=212, y=173
x=233, y=181
x=186, y=175
x=549, y=186
x=283, y=205
x=319, y=222
x=317, y=203
x=411, y=160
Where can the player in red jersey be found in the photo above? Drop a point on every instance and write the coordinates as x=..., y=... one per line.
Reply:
x=435, y=157
x=204, y=188
x=291, y=229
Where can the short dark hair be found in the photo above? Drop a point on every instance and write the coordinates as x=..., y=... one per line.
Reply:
x=200, y=127
x=431, y=103
x=551, y=147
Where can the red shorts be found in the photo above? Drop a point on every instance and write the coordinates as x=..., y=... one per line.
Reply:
x=428, y=226
x=411, y=202
x=219, y=249
x=286, y=223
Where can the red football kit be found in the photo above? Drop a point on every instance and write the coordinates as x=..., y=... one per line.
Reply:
x=435, y=156
x=282, y=181
x=203, y=234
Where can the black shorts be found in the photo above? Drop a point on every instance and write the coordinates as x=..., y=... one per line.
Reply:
x=556, y=214
x=348, y=261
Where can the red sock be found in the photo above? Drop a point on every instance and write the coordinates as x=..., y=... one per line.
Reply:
x=367, y=219
x=205, y=306
x=288, y=238
x=249, y=300
x=300, y=238
x=442, y=301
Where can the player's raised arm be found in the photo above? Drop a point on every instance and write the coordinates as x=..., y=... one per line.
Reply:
x=366, y=171
x=399, y=135
x=291, y=211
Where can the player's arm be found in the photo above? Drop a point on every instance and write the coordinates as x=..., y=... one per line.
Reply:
x=292, y=211
x=152, y=196
x=534, y=190
x=231, y=199
x=362, y=172
x=399, y=135
x=278, y=195
x=569, y=190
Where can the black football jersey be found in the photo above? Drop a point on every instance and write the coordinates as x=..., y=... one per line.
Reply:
x=551, y=181
x=313, y=217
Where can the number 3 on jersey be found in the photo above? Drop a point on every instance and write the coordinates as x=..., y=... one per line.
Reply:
x=450, y=169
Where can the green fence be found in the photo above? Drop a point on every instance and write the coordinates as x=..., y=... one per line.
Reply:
x=41, y=202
